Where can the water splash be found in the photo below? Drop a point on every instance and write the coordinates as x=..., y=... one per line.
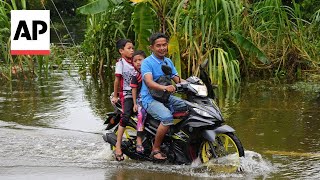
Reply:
x=46, y=147
x=253, y=163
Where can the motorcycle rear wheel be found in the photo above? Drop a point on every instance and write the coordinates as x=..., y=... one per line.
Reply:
x=224, y=145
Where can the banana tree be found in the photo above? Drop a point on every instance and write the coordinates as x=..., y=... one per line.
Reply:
x=148, y=16
x=107, y=22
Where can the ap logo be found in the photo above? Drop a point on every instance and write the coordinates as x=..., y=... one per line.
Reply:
x=30, y=32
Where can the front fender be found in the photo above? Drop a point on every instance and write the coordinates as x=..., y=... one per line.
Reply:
x=210, y=134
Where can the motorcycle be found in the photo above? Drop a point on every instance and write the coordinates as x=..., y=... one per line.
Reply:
x=198, y=133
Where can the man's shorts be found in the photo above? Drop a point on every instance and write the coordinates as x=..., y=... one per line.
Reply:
x=163, y=112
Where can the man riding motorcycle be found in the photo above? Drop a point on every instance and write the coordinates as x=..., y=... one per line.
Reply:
x=198, y=133
x=151, y=72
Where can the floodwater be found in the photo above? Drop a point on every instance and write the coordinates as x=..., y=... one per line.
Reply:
x=51, y=129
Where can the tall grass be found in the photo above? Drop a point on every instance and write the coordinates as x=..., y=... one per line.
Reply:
x=281, y=33
x=203, y=29
x=237, y=38
x=5, y=58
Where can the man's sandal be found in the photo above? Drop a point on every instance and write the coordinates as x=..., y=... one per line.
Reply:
x=140, y=149
x=153, y=153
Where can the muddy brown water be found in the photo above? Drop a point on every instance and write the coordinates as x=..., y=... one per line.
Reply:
x=51, y=129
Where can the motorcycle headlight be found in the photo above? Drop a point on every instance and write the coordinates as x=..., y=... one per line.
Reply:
x=201, y=112
x=201, y=89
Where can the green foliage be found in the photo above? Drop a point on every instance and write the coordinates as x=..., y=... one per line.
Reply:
x=309, y=8
x=8, y=64
x=104, y=29
x=4, y=31
x=202, y=28
x=246, y=44
x=281, y=33
x=143, y=25
x=236, y=37
x=98, y=6
x=174, y=52
x=66, y=8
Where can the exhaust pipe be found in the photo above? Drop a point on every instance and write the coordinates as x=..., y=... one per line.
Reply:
x=111, y=138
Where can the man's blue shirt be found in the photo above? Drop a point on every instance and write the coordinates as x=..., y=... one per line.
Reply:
x=152, y=65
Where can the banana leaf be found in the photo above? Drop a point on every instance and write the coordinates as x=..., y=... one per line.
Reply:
x=98, y=6
x=247, y=45
x=174, y=51
x=143, y=25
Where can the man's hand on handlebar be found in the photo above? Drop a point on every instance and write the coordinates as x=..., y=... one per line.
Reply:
x=170, y=88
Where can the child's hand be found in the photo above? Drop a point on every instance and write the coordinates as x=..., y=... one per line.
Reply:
x=135, y=108
x=114, y=100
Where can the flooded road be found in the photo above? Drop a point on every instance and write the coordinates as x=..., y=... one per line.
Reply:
x=51, y=129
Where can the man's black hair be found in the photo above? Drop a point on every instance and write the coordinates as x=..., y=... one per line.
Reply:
x=121, y=43
x=139, y=52
x=156, y=36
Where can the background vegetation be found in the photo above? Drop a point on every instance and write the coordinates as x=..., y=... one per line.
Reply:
x=237, y=38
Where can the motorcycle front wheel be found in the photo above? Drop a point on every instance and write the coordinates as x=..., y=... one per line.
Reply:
x=224, y=145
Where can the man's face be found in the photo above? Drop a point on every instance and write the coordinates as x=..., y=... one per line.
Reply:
x=160, y=47
x=127, y=50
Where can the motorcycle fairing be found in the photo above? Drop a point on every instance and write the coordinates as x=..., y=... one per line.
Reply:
x=210, y=110
x=197, y=121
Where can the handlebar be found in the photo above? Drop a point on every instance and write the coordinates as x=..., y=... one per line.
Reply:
x=181, y=86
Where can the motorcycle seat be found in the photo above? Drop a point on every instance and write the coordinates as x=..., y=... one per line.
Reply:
x=178, y=115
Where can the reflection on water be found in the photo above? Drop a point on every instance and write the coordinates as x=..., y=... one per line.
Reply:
x=277, y=117
x=54, y=124
x=25, y=101
x=59, y=101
